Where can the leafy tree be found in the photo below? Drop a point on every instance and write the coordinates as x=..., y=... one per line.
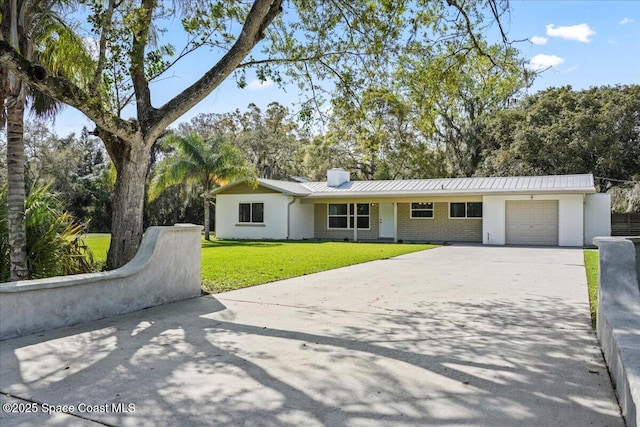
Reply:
x=269, y=140
x=379, y=139
x=33, y=30
x=204, y=164
x=74, y=167
x=54, y=238
x=453, y=112
x=309, y=42
x=561, y=131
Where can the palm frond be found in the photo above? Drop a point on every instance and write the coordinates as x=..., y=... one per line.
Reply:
x=205, y=163
x=54, y=238
x=62, y=50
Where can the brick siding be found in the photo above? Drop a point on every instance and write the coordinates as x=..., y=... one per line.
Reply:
x=439, y=228
x=322, y=232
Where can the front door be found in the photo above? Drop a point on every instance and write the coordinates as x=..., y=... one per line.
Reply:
x=386, y=221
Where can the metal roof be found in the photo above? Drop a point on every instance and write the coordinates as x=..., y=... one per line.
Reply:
x=582, y=183
x=287, y=187
x=444, y=186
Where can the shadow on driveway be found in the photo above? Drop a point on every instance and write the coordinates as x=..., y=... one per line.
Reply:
x=394, y=347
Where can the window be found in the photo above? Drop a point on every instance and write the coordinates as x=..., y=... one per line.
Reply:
x=342, y=215
x=338, y=216
x=465, y=210
x=251, y=212
x=422, y=210
x=474, y=210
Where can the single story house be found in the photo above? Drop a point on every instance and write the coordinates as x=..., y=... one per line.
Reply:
x=562, y=210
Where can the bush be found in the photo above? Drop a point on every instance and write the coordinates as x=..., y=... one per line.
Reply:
x=54, y=238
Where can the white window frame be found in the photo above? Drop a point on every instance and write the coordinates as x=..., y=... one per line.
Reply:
x=466, y=209
x=349, y=216
x=433, y=211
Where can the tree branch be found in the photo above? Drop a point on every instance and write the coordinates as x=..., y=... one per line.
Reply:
x=138, y=78
x=64, y=91
x=102, y=46
x=469, y=28
x=262, y=13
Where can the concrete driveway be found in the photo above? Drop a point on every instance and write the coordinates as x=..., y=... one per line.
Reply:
x=459, y=335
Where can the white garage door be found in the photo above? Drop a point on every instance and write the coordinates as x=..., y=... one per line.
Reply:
x=532, y=222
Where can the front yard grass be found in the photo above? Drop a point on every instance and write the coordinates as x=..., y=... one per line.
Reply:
x=235, y=264
x=591, y=266
x=99, y=245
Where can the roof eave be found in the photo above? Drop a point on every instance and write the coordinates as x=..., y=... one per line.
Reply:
x=388, y=194
x=261, y=183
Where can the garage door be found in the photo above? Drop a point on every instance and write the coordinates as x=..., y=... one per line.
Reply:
x=533, y=222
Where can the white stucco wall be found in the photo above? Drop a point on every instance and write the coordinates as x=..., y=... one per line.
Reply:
x=275, y=225
x=165, y=269
x=301, y=226
x=570, y=217
x=275, y=217
x=597, y=216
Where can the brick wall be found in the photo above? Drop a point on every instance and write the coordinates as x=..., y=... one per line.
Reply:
x=439, y=228
x=322, y=232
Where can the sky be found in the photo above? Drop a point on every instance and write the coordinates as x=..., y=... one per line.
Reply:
x=578, y=43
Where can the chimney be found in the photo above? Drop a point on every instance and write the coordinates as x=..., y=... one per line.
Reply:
x=336, y=177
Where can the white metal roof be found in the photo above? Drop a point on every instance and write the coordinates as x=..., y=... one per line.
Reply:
x=443, y=186
x=582, y=183
x=287, y=187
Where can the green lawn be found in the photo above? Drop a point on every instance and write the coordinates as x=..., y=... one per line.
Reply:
x=228, y=264
x=235, y=264
x=591, y=265
x=99, y=245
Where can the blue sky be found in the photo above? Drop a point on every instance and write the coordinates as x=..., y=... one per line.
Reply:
x=577, y=43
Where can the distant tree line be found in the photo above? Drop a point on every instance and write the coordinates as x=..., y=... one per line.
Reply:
x=555, y=131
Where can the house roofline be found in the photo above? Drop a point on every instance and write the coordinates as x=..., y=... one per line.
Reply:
x=337, y=193
x=441, y=193
x=261, y=183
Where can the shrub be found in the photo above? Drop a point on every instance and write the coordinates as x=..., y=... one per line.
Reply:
x=54, y=238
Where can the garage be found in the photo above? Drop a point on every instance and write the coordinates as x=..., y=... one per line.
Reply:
x=532, y=222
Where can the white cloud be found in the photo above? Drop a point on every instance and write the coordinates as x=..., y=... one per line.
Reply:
x=259, y=84
x=626, y=20
x=542, y=62
x=612, y=41
x=539, y=40
x=580, y=32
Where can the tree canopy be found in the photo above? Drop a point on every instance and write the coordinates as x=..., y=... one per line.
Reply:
x=348, y=44
x=562, y=131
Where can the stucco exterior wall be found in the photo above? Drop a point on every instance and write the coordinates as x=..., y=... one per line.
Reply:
x=302, y=221
x=165, y=269
x=322, y=231
x=440, y=228
x=570, y=217
x=275, y=216
x=618, y=319
x=597, y=216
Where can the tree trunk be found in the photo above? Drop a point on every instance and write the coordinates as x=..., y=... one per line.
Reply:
x=128, y=200
x=15, y=189
x=207, y=219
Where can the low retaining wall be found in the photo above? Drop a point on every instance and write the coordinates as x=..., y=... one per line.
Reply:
x=618, y=319
x=165, y=269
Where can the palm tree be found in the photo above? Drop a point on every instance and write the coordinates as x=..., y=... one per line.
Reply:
x=201, y=164
x=34, y=29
